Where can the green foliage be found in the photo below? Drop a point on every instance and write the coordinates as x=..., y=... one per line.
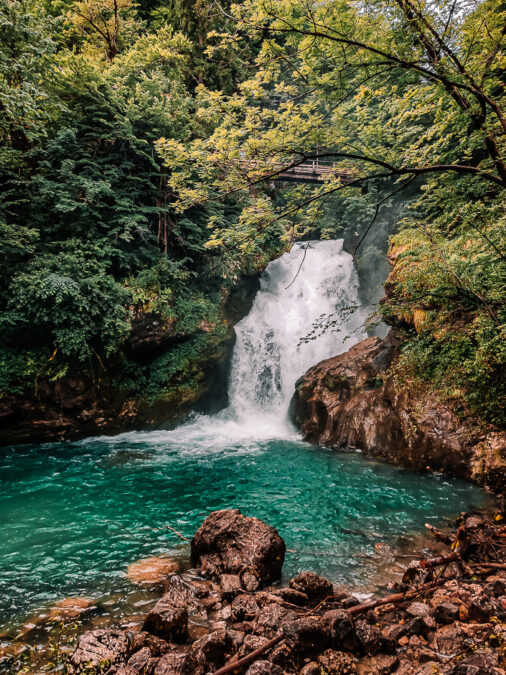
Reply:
x=139, y=149
x=89, y=231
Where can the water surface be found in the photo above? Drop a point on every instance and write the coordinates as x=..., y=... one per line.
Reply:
x=74, y=515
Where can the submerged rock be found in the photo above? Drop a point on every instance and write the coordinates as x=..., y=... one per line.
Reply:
x=229, y=543
x=152, y=571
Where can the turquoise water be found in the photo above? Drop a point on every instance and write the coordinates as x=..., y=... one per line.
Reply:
x=74, y=515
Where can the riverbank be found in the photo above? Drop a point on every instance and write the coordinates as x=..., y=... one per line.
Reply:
x=446, y=613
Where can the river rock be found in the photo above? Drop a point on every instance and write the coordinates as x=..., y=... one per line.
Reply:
x=97, y=647
x=312, y=585
x=71, y=608
x=229, y=543
x=167, y=619
x=230, y=585
x=264, y=668
x=368, y=637
x=307, y=635
x=244, y=607
x=272, y=618
x=152, y=571
x=341, y=629
x=179, y=663
x=446, y=612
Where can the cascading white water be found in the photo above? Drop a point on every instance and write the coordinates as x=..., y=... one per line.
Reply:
x=312, y=281
x=301, y=289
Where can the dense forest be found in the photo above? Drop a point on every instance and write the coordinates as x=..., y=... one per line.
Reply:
x=141, y=147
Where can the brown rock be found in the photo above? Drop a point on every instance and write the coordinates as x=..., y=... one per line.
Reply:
x=71, y=608
x=480, y=663
x=212, y=649
x=230, y=585
x=382, y=664
x=250, y=643
x=230, y=543
x=446, y=612
x=290, y=595
x=307, y=635
x=244, y=607
x=264, y=668
x=142, y=661
x=311, y=668
x=349, y=401
x=178, y=663
x=167, y=619
x=342, y=632
x=152, y=571
x=337, y=663
x=368, y=637
x=272, y=618
x=481, y=609
x=99, y=646
x=312, y=585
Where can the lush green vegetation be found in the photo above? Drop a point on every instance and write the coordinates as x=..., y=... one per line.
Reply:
x=139, y=148
x=89, y=233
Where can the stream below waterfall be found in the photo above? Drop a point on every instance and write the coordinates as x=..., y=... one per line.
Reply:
x=74, y=515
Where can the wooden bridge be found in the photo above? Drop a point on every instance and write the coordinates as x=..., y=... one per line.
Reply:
x=313, y=171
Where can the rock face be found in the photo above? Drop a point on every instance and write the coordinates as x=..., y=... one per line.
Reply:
x=349, y=402
x=229, y=543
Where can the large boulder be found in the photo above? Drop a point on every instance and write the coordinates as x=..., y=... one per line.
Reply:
x=229, y=543
x=352, y=400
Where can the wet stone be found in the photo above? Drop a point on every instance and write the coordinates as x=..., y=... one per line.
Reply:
x=250, y=643
x=368, y=637
x=230, y=585
x=167, y=620
x=152, y=572
x=99, y=646
x=178, y=663
x=307, y=634
x=244, y=607
x=419, y=609
x=228, y=542
x=446, y=612
x=272, y=618
x=312, y=585
x=213, y=649
x=342, y=632
x=264, y=668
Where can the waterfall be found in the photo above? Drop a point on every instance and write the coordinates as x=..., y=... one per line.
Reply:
x=298, y=292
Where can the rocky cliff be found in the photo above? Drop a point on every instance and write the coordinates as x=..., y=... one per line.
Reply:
x=354, y=401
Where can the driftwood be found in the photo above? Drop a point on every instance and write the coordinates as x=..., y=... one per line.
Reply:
x=396, y=598
x=440, y=536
